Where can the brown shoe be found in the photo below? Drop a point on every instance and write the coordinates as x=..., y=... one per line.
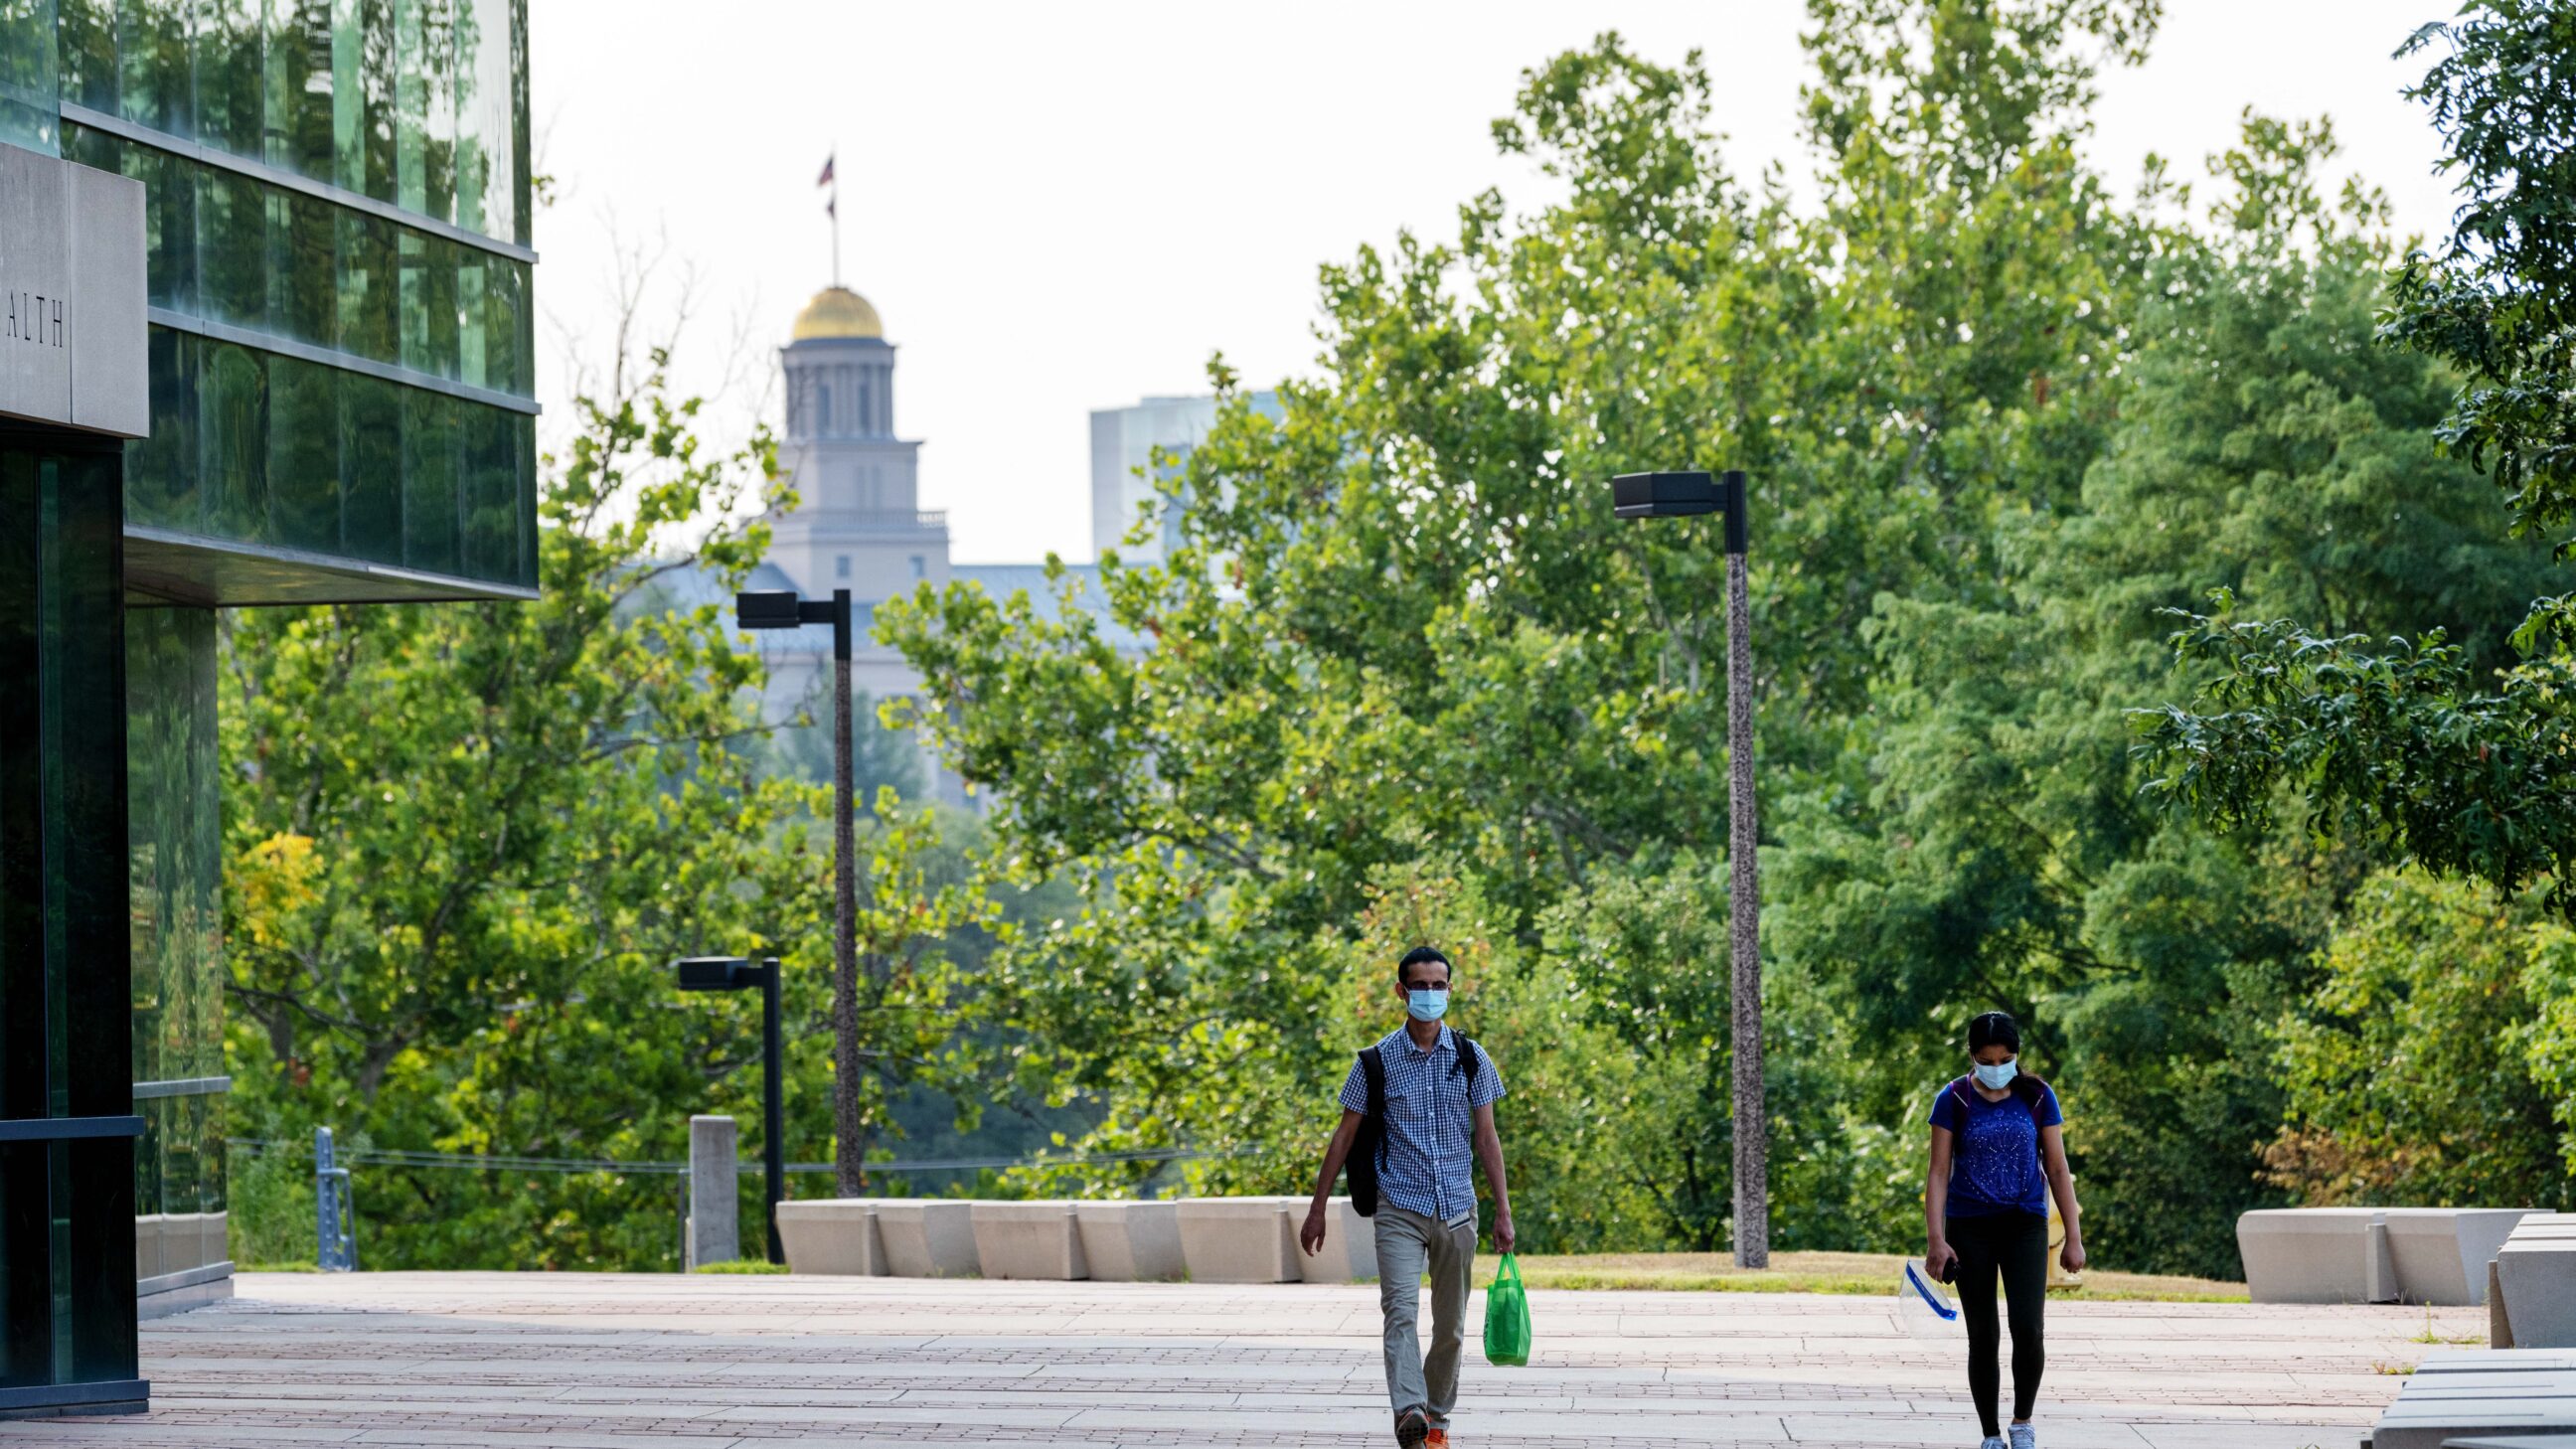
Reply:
x=1438, y=1438
x=1411, y=1428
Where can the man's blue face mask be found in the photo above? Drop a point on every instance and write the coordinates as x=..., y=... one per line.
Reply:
x=1428, y=1005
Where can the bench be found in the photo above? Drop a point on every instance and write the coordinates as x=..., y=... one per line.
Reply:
x=2479, y=1394
x=2533, y=1302
x=2371, y=1255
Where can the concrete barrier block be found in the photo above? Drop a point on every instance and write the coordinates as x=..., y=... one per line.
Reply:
x=1350, y=1246
x=2537, y=1278
x=715, y=1193
x=2441, y=1254
x=2499, y=1323
x=835, y=1237
x=2316, y=1255
x=1240, y=1239
x=928, y=1237
x=1028, y=1240
x=1131, y=1242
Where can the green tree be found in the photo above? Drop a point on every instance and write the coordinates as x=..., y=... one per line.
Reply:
x=2411, y=1076
x=2411, y=742
x=1402, y=626
x=466, y=841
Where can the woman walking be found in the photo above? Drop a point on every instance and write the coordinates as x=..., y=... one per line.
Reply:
x=1998, y=1152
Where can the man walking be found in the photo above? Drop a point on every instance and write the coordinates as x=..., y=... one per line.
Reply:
x=1435, y=1106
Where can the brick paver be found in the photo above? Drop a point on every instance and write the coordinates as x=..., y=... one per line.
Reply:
x=584, y=1361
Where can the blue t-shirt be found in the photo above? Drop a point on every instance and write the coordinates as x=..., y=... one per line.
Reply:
x=1994, y=1151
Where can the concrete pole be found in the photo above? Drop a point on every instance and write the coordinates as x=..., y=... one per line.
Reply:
x=715, y=1186
x=1744, y=907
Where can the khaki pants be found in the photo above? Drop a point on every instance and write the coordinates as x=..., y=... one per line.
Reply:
x=1408, y=1245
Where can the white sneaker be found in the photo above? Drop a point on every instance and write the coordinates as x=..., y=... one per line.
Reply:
x=2023, y=1436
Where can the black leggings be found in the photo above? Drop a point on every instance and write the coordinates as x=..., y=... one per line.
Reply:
x=2014, y=1245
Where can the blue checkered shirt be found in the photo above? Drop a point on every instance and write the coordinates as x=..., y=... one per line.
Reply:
x=1430, y=1122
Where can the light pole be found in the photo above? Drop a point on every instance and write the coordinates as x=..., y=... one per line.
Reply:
x=1683, y=495
x=736, y=973
x=781, y=609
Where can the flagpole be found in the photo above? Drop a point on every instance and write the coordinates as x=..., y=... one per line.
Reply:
x=836, y=213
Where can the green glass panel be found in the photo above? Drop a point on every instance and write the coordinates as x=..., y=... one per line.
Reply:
x=298, y=91
x=86, y=32
x=425, y=106
x=161, y=470
x=211, y=1196
x=504, y=315
x=472, y=321
x=31, y=110
x=169, y=224
x=362, y=96
x=232, y=433
x=429, y=321
x=524, y=457
x=92, y=148
x=226, y=54
x=232, y=246
x=487, y=140
x=523, y=330
x=181, y=1149
x=488, y=445
x=523, y=169
x=147, y=1167
x=447, y=260
x=303, y=284
x=156, y=82
x=371, y=468
x=173, y=839
x=430, y=502
x=304, y=453
x=367, y=290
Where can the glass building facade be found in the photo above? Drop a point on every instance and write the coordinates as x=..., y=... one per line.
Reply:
x=336, y=232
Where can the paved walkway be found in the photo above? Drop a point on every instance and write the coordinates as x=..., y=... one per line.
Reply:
x=574, y=1361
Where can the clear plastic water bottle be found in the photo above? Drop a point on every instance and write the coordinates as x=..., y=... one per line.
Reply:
x=1923, y=1306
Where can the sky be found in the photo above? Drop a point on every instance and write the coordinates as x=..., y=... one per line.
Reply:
x=1058, y=208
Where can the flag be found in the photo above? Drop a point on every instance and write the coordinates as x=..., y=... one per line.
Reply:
x=826, y=178
x=832, y=208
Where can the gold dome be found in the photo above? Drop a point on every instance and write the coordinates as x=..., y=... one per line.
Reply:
x=838, y=312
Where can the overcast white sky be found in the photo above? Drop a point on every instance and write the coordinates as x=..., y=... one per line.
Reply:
x=1062, y=207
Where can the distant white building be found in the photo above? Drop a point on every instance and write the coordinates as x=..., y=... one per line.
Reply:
x=1124, y=475
x=858, y=523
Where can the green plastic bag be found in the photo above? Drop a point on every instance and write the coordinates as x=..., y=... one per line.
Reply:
x=1507, y=1325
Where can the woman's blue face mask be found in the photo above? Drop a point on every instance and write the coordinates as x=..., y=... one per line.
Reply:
x=1999, y=1076
x=1427, y=1005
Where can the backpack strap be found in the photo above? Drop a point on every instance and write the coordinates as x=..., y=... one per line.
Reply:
x=1959, y=1088
x=1468, y=1066
x=1373, y=1067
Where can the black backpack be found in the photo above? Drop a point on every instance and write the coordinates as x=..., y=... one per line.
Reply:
x=1368, y=1146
